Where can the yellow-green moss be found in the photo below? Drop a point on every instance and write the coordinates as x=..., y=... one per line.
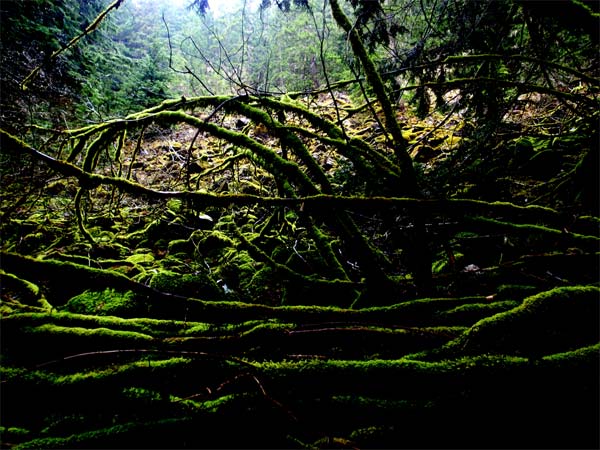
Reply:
x=92, y=439
x=583, y=355
x=152, y=327
x=557, y=320
x=107, y=303
x=515, y=291
x=25, y=291
x=180, y=246
x=212, y=241
x=140, y=258
x=472, y=312
x=99, y=334
x=199, y=285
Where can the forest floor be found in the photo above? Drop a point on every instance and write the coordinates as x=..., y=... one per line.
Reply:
x=171, y=331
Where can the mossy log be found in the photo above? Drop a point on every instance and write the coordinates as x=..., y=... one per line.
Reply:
x=160, y=304
x=298, y=377
x=64, y=279
x=484, y=400
x=449, y=207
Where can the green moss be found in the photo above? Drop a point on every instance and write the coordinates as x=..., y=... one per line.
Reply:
x=423, y=311
x=107, y=303
x=580, y=356
x=62, y=279
x=180, y=246
x=12, y=434
x=515, y=291
x=145, y=395
x=198, y=329
x=243, y=262
x=75, y=259
x=561, y=319
x=534, y=229
x=225, y=222
x=212, y=241
x=97, y=334
x=199, y=285
x=114, y=375
x=306, y=367
x=215, y=405
x=153, y=327
x=471, y=313
x=32, y=242
x=175, y=205
x=6, y=310
x=266, y=330
x=23, y=290
x=46, y=342
x=150, y=233
x=401, y=379
x=228, y=328
x=372, y=402
x=140, y=258
x=106, y=437
x=370, y=434
x=262, y=286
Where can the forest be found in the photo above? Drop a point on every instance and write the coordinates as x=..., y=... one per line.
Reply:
x=299, y=224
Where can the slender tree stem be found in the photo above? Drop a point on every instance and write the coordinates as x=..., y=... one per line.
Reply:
x=410, y=186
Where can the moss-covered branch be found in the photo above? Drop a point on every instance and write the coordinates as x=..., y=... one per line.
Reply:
x=284, y=271
x=541, y=62
x=374, y=79
x=563, y=236
x=523, y=87
x=448, y=207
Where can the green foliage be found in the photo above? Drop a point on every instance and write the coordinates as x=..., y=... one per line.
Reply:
x=128, y=67
x=117, y=69
x=281, y=54
x=32, y=31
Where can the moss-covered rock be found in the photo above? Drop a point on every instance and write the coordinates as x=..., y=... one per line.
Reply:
x=107, y=303
x=140, y=258
x=61, y=280
x=260, y=286
x=180, y=246
x=198, y=285
x=32, y=242
x=212, y=242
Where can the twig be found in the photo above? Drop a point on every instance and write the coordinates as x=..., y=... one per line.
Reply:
x=165, y=352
